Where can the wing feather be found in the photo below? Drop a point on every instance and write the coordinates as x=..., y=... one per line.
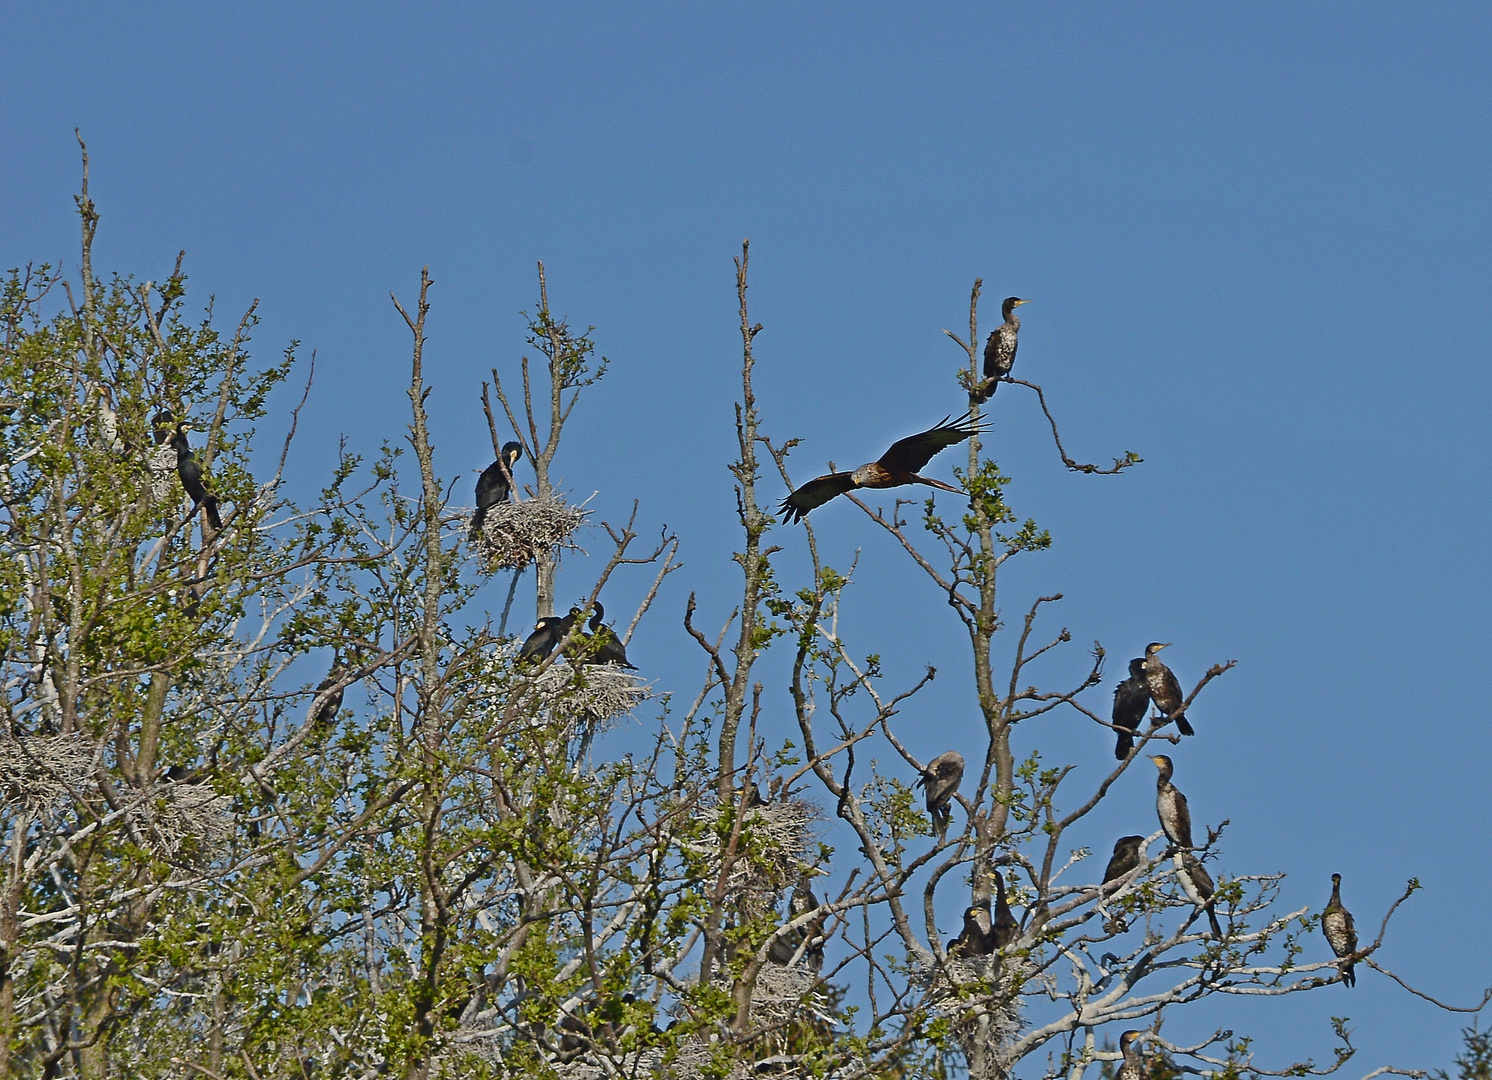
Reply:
x=814, y=494
x=914, y=452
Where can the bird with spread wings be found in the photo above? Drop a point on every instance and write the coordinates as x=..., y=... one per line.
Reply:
x=898, y=466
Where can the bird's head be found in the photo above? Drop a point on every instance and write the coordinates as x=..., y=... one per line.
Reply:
x=1162, y=763
x=1129, y=1037
x=512, y=452
x=1128, y=842
x=1336, y=880
x=1011, y=303
x=1156, y=646
x=1137, y=666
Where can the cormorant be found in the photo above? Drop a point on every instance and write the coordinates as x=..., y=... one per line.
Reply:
x=1201, y=884
x=897, y=466
x=1165, y=691
x=191, y=478
x=327, y=711
x=161, y=426
x=941, y=779
x=1341, y=935
x=999, y=350
x=1131, y=699
x=975, y=939
x=1135, y=1066
x=1125, y=858
x=801, y=903
x=548, y=632
x=1170, y=805
x=493, y=486
x=603, y=646
x=1005, y=929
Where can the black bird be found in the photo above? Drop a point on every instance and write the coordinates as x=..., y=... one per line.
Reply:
x=605, y=647
x=548, y=632
x=327, y=711
x=999, y=350
x=191, y=478
x=1165, y=691
x=941, y=779
x=1135, y=1066
x=1170, y=805
x=493, y=486
x=975, y=939
x=1131, y=699
x=1125, y=858
x=898, y=466
x=1201, y=884
x=1005, y=929
x=1341, y=935
x=162, y=425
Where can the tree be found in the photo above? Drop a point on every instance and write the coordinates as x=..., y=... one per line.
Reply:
x=280, y=800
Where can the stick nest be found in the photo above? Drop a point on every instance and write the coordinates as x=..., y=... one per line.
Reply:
x=39, y=771
x=186, y=822
x=160, y=465
x=515, y=534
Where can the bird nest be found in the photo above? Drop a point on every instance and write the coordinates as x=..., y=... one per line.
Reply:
x=776, y=839
x=588, y=694
x=160, y=465
x=515, y=534
x=38, y=771
x=186, y=822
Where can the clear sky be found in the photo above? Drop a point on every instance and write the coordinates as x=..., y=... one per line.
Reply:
x=1257, y=239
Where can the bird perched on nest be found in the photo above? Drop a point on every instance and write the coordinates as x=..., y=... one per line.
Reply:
x=1341, y=935
x=1165, y=690
x=548, y=632
x=897, y=467
x=190, y=473
x=1170, y=805
x=494, y=486
x=604, y=647
x=999, y=350
x=1131, y=699
x=801, y=903
x=941, y=779
x=975, y=939
x=1004, y=929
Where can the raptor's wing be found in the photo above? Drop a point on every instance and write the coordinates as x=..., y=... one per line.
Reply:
x=814, y=494
x=914, y=452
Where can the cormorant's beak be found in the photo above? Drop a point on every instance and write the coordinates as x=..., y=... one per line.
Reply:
x=1018, y=303
x=1160, y=763
x=1167, y=645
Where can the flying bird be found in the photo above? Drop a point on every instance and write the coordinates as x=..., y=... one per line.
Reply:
x=1341, y=935
x=941, y=779
x=1165, y=691
x=190, y=473
x=1170, y=805
x=999, y=350
x=493, y=486
x=897, y=467
x=1131, y=699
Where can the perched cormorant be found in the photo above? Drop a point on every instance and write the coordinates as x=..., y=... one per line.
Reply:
x=941, y=779
x=975, y=939
x=1170, y=805
x=1341, y=935
x=603, y=646
x=548, y=632
x=1125, y=858
x=897, y=466
x=161, y=426
x=1004, y=928
x=493, y=486
x=1165, y=691
x=1201, y=884
x=1131, y=699
x=999, y=350
x=1135, y=1066
x=191, y=478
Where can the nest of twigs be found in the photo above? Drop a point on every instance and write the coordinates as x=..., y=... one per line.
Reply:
x=515, y=534
x=39, y=771
x=160, y=465
x=186, y=822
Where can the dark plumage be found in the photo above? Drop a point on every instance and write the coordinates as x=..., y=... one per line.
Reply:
x=941, y=779
x=1131, y=699
x=1125, y=858
x=1005, y=929
x=162, y=425
x=190, y=473
x=548, y=632
x=1165, y=691
x=1201, y=884
x=493, y=486
x=1135, y=1066
x=975, y=939
x=898, y=466
x=999, y=350
x=1341, y=934
x=327, y=710
x=802, y=902
x=603, y=646
x=1170, y=805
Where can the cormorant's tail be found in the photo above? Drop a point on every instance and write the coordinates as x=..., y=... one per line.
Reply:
x=1349, y=977
x=1182, y=725
x=1217, y=931
x=1123, y=747
x=213, y=518
x=476, y=525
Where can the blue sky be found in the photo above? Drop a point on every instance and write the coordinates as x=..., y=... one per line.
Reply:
x=1258, y=243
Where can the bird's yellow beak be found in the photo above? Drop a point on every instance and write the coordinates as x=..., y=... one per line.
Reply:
x=1159, y=762
x=1018, y=303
